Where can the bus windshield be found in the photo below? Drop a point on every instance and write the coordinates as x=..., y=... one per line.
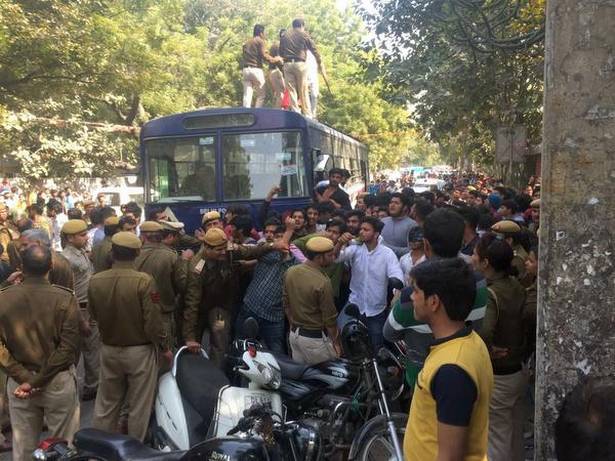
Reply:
x=252, y=163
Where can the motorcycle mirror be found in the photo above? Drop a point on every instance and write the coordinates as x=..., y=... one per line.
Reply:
x=250, y=328
x=353, y=311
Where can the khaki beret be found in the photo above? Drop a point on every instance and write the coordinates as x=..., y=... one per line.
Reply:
x=506, y=227
x=74, y=226
x=112, y=221
x=171, y=225
x=151, y=226
x=215, y=237
x=319, y=245
x=535, y=203
x=126, y=240
x=210, y=216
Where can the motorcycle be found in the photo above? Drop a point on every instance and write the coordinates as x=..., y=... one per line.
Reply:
x=255, y=443
x=345, y=401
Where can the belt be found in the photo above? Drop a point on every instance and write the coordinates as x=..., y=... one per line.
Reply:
x=293, y=60
x=509, y=370
x=307, y=333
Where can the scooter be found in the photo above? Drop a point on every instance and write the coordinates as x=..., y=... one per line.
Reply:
x=195, y=400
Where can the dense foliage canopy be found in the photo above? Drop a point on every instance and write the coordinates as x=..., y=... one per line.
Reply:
x=76, y=77
x=465, y=66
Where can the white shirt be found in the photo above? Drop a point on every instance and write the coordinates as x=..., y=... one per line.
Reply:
x=406, y=265
x=56, y=229
x=371, y=271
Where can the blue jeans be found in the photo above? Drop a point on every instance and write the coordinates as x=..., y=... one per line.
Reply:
x=375, y=325
x=272, y=334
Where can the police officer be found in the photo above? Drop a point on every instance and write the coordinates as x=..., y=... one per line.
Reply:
x=75, y=235
x=509, y=231
x=101, y=252
x=165, y=267
x=294, y=45
x=7, y=233
x=254, y=53
x=310, y=307
x=60, y=274
x=39, y=334
x=212, y=294
x=125, y=303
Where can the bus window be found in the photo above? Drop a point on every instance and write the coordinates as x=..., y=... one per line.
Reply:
x=182, y=168
x=254, y=162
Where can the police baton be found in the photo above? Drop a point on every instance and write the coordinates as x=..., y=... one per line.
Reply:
x=326, y=79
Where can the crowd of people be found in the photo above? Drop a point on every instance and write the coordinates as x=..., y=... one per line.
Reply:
x=452, y=272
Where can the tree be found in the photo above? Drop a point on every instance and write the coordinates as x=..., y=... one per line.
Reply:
x=121, y=63
x=465, y=67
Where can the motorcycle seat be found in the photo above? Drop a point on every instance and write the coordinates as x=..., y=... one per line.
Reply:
x=118, y=447
x=289, y=368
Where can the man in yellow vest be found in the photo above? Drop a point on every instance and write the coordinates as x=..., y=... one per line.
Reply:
x=449, y=416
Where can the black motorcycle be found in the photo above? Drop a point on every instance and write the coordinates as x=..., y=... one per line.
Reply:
x=253, y=439
x=346, y=401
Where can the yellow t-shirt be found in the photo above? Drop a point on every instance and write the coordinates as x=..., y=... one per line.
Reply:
x=469, y=353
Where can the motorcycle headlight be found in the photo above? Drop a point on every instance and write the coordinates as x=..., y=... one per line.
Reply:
x=39, y=455
x=272, y=376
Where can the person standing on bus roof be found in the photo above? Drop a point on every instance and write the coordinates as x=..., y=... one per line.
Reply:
x=254, y=52
x=333, y=193
x=294, y=45
x=276, y=75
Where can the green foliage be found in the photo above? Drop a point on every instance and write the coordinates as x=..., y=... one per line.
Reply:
x=464, y=67
x=123, y=62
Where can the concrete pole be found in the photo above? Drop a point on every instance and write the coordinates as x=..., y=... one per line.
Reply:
x=576, y=297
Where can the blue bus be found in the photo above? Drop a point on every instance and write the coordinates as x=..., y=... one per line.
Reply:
x=211, y=159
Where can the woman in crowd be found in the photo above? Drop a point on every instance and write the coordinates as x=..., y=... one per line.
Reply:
x=504, y=333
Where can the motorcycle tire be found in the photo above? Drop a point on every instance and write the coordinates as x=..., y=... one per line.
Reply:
x=376, y=444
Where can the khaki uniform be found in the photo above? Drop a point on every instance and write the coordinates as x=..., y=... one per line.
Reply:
x=101, y=255
x=124, y=302
x=211, y=297
x=518, y=262
x=7, y=235
x=90, y=345
x=39, y=331
x=168, y=271
x=60, y=274
x=308, y=298
x=294, y=45
x=504, y=326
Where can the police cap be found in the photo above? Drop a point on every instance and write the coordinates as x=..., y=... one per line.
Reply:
x=215, y=237
x=210, y=216
x=506, y=227
x=74, y=226
x=112, y=221
x=319, y=245
x=172, y=226
x=126, y=240
x=151, y=226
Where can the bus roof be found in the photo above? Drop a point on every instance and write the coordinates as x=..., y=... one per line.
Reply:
x=262, y=119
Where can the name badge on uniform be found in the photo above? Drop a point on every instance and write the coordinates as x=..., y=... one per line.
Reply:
x=199, y=267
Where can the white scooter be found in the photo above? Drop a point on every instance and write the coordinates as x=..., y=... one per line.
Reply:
x=195, y=401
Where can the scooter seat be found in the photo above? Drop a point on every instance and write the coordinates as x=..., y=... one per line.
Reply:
x=289, y=368
x=118, y=447
x=199, y=382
